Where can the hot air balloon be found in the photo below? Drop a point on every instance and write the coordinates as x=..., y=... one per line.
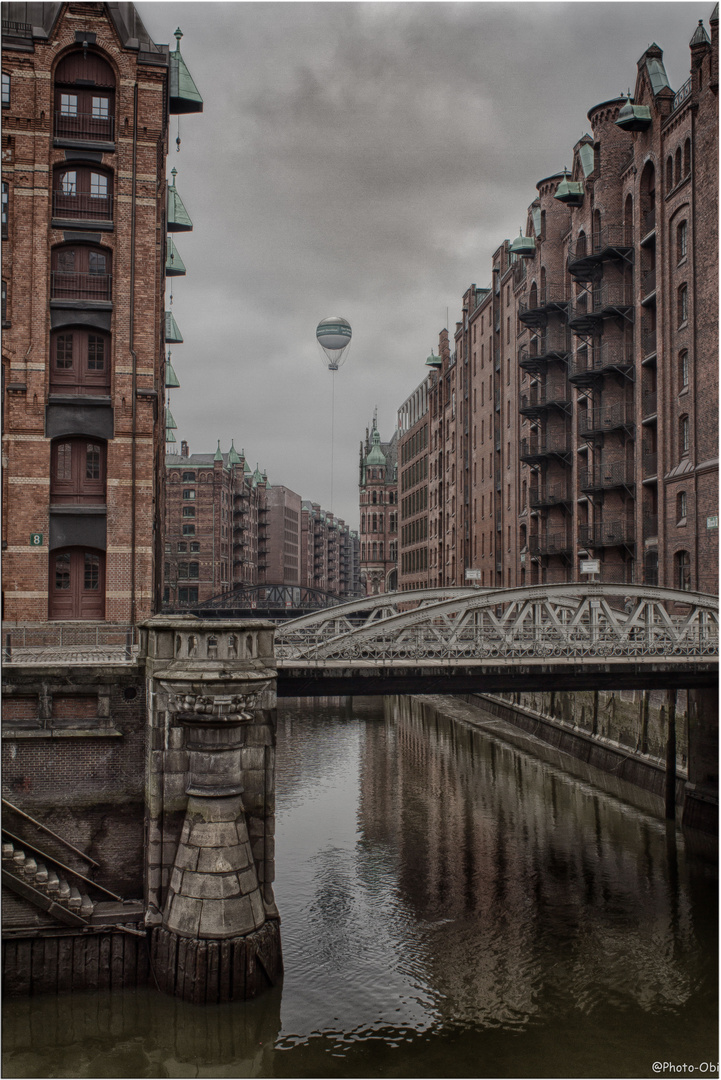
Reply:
x=333, y=336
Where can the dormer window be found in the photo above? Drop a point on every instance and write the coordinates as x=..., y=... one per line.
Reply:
x=84, y=98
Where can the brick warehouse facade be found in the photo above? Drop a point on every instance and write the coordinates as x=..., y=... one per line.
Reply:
x=86, y=101
x=226, y=527
x=575, y=419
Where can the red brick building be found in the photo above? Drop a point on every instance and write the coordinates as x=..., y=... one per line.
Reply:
x=86, y=98
x=215, y=525
x=575, y=421
x=414, y=428
x=378, y=513
x=227, y=527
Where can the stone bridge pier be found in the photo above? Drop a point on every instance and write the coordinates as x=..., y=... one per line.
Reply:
x=210, y=807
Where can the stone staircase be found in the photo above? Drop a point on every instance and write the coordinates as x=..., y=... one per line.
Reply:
x=28, y=876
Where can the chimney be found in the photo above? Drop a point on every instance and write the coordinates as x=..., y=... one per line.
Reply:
x=184, y=448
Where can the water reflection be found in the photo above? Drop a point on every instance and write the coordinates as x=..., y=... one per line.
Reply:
x=451, y=906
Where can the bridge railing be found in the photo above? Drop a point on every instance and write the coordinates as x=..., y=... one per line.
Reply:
x=422, y=643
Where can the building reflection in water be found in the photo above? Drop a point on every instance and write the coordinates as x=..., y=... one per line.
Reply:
x=451, y=906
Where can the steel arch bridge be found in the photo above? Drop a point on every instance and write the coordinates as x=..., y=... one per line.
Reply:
x=570, y=636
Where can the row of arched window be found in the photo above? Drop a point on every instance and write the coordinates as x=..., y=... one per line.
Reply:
x=678, y=165
x=84, y=104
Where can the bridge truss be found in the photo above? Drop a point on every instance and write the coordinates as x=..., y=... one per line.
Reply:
x=536, y=624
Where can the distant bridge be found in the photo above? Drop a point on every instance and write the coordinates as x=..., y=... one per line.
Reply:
x=269, y=601
x=542, y=637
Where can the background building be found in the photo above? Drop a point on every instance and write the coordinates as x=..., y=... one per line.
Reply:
x=226, y=527
x=573, y=427
x=378, y=513
x=86, y=97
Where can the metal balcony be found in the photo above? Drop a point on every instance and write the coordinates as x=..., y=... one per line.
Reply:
x=84, y=126
x=648, y=226
x=607, y=534
x=612, y=242
x=648, y=343
x=648, y=287
x=649, y=404
x=545, y=348
x=67, y=286
x=535, y=310
x=602, y=302
x=595, y=363
x=541, y=397
x=650, y=526
x=553, y=543
x=539, y=447
x=603, y=418
x=605, y=477
x=82, y=207
x=650, y=464
x=543, y=495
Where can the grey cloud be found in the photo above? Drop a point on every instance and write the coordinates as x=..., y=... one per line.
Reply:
x=364, y=160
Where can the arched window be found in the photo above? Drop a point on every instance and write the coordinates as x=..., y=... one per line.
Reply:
x=81, y=272
x=684, y=435
x=681, y=507
x=79, y=361
x=375, y=523
x=84, y=98
x=77, y=471
x=687, y=157
x=628, y=219
x=648, y=198
x=363, y=523
x=683, y=570
x=683, y=373
x=677, y=169
x=681, y=241
x=682, y=305
x=669, y=172
x=77, y=584
x=83, y=193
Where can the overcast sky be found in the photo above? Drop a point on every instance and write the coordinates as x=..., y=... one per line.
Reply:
x=364, y=160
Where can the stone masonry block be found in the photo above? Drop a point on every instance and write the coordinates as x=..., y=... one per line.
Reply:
x=176, y=761
x=226, y=918
x=176, y=880
x=186, y=857
x=221, y=860
x=214, y=834
x=184, y=916
x=256, y=904
x=248, y=880
x=228, y=809
x=211, y=886
x=252, y=758
x=176, y=737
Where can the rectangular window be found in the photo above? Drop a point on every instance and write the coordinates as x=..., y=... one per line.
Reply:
x=188, y=528
x=101, y=108
x=189, y=493
x=188, y=477
x=98, y=186
x=188, y=595
x=69, y=183
x=5, y=203
x=6, y=90
x=182, y=546
x=68, y=105
x=188, y=511
x=195, y=546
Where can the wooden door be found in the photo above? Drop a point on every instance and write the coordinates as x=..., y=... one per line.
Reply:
x=79, y=362
x=77, y=584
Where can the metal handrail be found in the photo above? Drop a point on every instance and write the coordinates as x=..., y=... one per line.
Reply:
x=63, y=867
x=50, y=832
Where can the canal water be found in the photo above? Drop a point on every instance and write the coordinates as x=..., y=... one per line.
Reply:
x=452, y=907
